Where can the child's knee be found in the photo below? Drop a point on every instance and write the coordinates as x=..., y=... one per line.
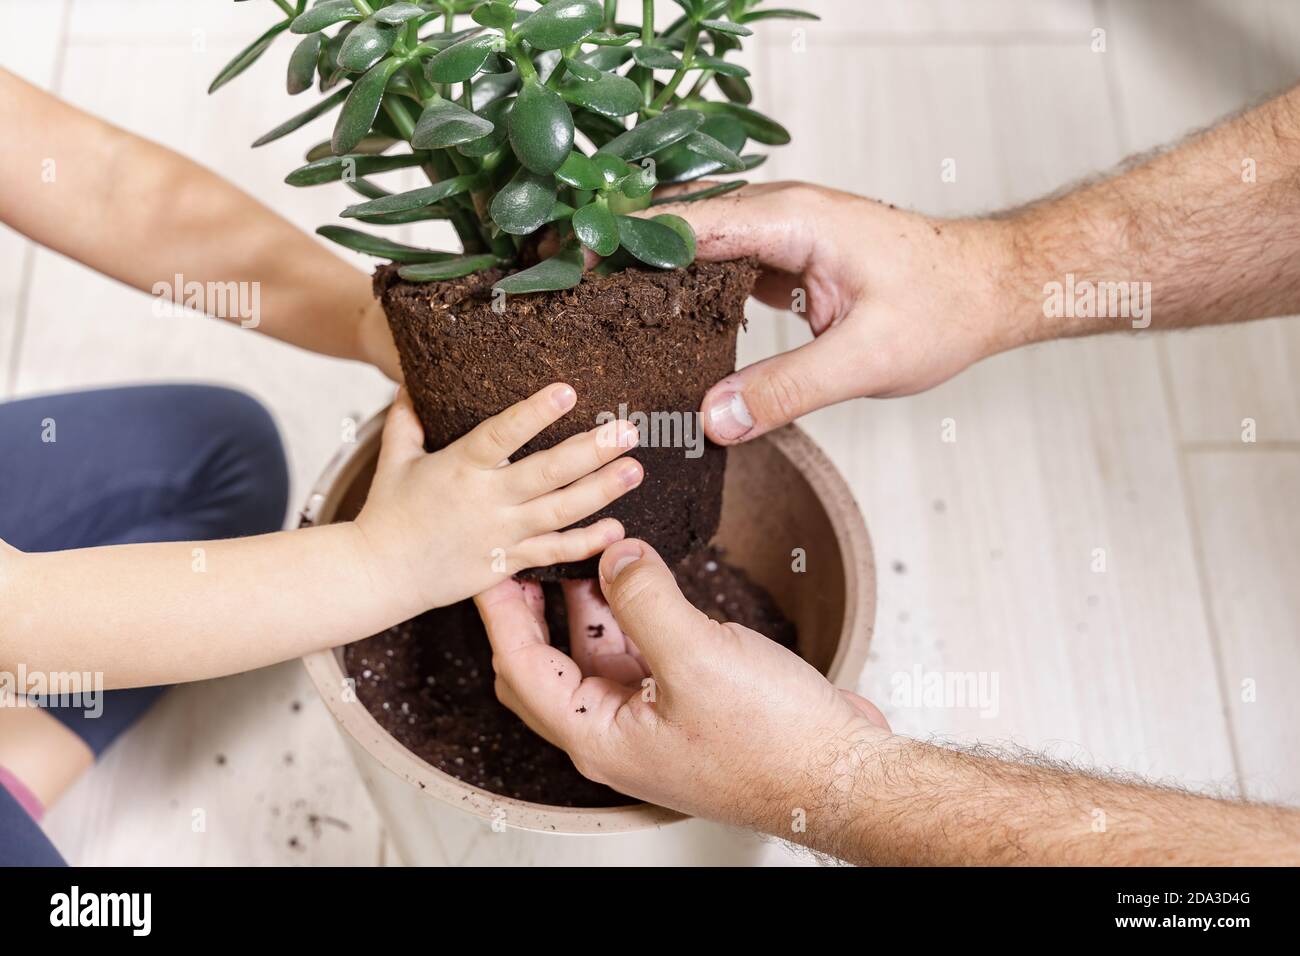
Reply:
x=251, y=472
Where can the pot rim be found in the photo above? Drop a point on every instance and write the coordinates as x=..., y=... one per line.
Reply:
x=326, y=669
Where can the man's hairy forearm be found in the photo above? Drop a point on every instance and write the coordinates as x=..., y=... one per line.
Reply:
x=891, y=800
x=142, y=214
x=1213, y=225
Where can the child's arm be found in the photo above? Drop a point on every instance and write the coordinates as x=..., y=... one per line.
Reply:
x=145, y=614
x=138, y=212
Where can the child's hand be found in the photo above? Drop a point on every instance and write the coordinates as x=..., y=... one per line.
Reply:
x=439, y=528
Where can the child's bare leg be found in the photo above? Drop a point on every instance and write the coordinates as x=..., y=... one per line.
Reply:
x=116, y=466
x=43, y=756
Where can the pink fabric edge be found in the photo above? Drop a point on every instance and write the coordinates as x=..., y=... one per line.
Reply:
x=26, y=799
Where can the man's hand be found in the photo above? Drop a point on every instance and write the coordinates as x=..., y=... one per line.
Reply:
x=731, y=726
x=898, y=302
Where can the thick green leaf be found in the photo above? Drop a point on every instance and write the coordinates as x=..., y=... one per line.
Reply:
x=302, y=64
x=620, y=261
x=607, y=58
x=489, y=88
x=331, y=74
x=424, y=213
x=580, y=172
x=612, y=39
x=444, y=124
x=396, y=13
x=582, y=70
x=654, y=134
x=596, y=228
x=727, y=130
x=734, y=88
x=333, y=168
x=719, y=65
x=757, y=126
x=541, y=127
x=495, y=14
x=372, y=146
x=367, y=45
x=450, y=269
x=721, y=189
x=523, y=204
x=498, y=114
x=613, y=170
x=653, y=243
x=641, y=181
x=561, y=271
x=776, y=13
x=440, y=41
x=462, y=60
x=705, y=145
x=247, y=56
x=726, y=26
x=303, y=118
x=413, y=199
x=656, y=58
x=679, y=164
x=366, y=188
x=362, y=105
x=324, y=15
x=561, y=211
x=379, y=246
x=599, y=129
x=561, y=23
x=609, y=95
x=683, y=228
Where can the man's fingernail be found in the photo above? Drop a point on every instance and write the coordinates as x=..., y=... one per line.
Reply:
x=729, y=416
x=630, y=474
x=632, y=555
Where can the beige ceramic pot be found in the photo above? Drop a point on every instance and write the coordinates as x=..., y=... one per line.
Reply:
x=788, y=520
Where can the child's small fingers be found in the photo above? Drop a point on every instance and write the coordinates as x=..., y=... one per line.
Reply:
x=560, y=547
x=496, y=439
x=571, y=459
x=584, y=497
x=403, y=438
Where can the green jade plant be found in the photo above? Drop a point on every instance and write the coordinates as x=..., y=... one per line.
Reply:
x=493, y=115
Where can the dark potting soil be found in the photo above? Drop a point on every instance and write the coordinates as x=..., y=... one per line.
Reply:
x=640, y=341
x=429, y=683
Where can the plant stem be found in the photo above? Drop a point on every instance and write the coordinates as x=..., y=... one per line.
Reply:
x=523, y=62
x=288, y=10
x=647, y=39
x=363, y=7
x=688, y=54
x=422, y=86
x=400, y=117
x=467, y=228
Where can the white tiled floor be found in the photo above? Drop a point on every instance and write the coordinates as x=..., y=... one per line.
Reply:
x=1173, y=663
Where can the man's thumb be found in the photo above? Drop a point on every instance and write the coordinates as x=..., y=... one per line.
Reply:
x=776, y=391
x=647, y=603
